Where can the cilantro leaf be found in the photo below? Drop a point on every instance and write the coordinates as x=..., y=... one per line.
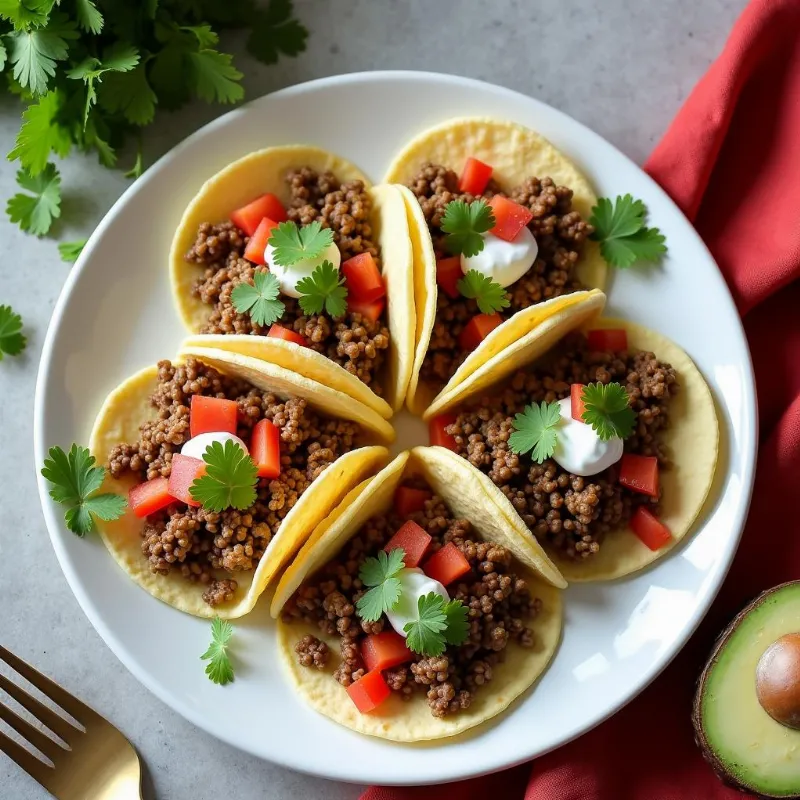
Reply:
x=128, y=93
x=259, y=300
x=491, y=296
x=426, y=635
x=73, y=478
x=214, y=77
x=23, y=14
x=623, y=237
x=36, y=213
x=608, y=411
x=295, y=243
x=12, y=341
x=464, y=223
x=89, y=18
x=323, y=289
x=380, y=573
x=535, y=429
x=70, y=251
x=274, y=31
x=230, y=478
x=205, y=36
x=219, y=668
x=3, y=56
x=41, y=133
x=457, y=631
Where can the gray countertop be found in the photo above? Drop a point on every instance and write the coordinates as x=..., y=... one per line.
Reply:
x=622, y=68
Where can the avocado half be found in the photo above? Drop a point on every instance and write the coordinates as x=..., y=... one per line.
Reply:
x=747, y=748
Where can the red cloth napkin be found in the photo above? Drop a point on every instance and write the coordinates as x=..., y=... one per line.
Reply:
x=731, y=160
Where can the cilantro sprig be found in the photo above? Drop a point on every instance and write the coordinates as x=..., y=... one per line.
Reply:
x=535, y=430
x=620, y=229
x=12, y=340
x=219, y=668
x=440, y=623
x=230, y=479
x=35, y=212
x=74, y=479
x=293, y=243
x=608, y=411
x=259, y=299
x=380, y=573
x=323, y=289
x=464, y=223
x=491, y=296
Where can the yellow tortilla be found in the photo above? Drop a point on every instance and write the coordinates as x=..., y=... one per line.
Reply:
x=127, y=407
x=264, y=171
x=412, y=721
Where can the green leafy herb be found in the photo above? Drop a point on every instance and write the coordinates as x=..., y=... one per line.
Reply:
x=491, y=296
x=464, y=223
x=323, y=289
x=219, y=668
x=89, y=18
x=608, y=411
x=12, y=341
x=259, y=300
x=42, y=133
x=381, y=574
x=274, y=32
x=457, y=631
x=535, y=430
x=623, y=237
x=295, y=243
x=74, y=479
x=230, y=479
x=35, y=213
x=71, y=250
x=439, y=624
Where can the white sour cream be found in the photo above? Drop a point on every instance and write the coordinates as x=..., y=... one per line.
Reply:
x=288, y=277
x=504, y=262
x=579, y=449
x=195, y=447
x=414, y=583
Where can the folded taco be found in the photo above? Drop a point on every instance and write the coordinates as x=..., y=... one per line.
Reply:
x=290, y=256
x=417, y=611
x=499, y=223
x=228, y=464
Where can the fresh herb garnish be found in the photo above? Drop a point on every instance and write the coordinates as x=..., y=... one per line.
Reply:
x=439, y=624
x=219, y=669
x=323, y=289
x=381, y=574
x=623, y=237
x=464, y=223
x=230, y=478
x=491, y=296
x=36, y=213
x=12, y=340
x=607, y=410
x=457, y=630
x=74, y=478
x=293, y=243
x=71, y=250
x=535, y=430
x=259, y=300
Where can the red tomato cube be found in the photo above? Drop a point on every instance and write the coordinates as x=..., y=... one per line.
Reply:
x=185, y=470
x=150, y=496
x=248, y=217
x=384, y=650
x=474, y=177
x=437, y=433
x=413, y=539
x=369, y=310
x=448, y=274
x=407, y=500
x=576, y=398
x=369, y=692
x=212, y=415
x=639, y=473
x=607, y=340
x=509, y=218
x=363, y=278
x=446, y=565
x=650, y=529
x=258, y=241
x=477, y=329
x=265, y=449
x=279, y=332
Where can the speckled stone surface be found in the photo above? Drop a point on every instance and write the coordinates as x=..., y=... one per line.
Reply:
x=622, y=68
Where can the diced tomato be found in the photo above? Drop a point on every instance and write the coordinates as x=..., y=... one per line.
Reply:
x=384, y=650
x=185, y=470
x=371, y=310
x=607, y=339
x=247, y=218
x=363, y=278
x=639, y=473
x=650, y=529
x=509, y=217
x=414, y=540
x=475, y=176
x=279, y=332
x=148, y=497
x=407, y=500
x=448, y=274
x=477, y=329
x=446, y=565
x=369, y=692
x=265, y=449
x=437, y=434
x=258, y=241
x=212, y=415
x=576, y=396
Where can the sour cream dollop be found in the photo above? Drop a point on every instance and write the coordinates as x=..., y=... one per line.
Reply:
x=289, y=276
x=504, y=262
x=579, y=449
x=414, y=583
x=198, y=445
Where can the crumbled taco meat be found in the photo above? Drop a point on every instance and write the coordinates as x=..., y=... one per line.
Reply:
x=353, y=341
x=570, y=512
x=201, y=543
x=501, y=609
x=560, y=232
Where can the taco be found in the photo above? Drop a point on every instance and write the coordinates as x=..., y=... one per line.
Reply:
x=602, y=434
x=289, y=255
x=418, y=611
x=173, y=426
x=480, y=277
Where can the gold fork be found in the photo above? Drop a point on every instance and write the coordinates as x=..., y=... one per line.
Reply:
x=96, y=763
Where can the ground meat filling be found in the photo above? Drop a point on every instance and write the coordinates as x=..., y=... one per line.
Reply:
x=353, y=341
x=500, y=607
x=571, y=513
x=202, y=544
x=560, y=232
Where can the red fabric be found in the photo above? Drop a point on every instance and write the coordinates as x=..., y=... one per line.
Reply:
x=731, y=160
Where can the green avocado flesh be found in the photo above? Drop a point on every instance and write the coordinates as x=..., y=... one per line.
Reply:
x=753, y=750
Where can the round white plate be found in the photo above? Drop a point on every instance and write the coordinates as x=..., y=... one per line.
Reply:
x=115, y=315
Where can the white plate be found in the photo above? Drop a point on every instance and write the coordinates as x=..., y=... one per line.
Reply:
x=115, y=315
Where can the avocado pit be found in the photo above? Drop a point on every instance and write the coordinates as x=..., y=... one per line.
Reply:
x=778, y=680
